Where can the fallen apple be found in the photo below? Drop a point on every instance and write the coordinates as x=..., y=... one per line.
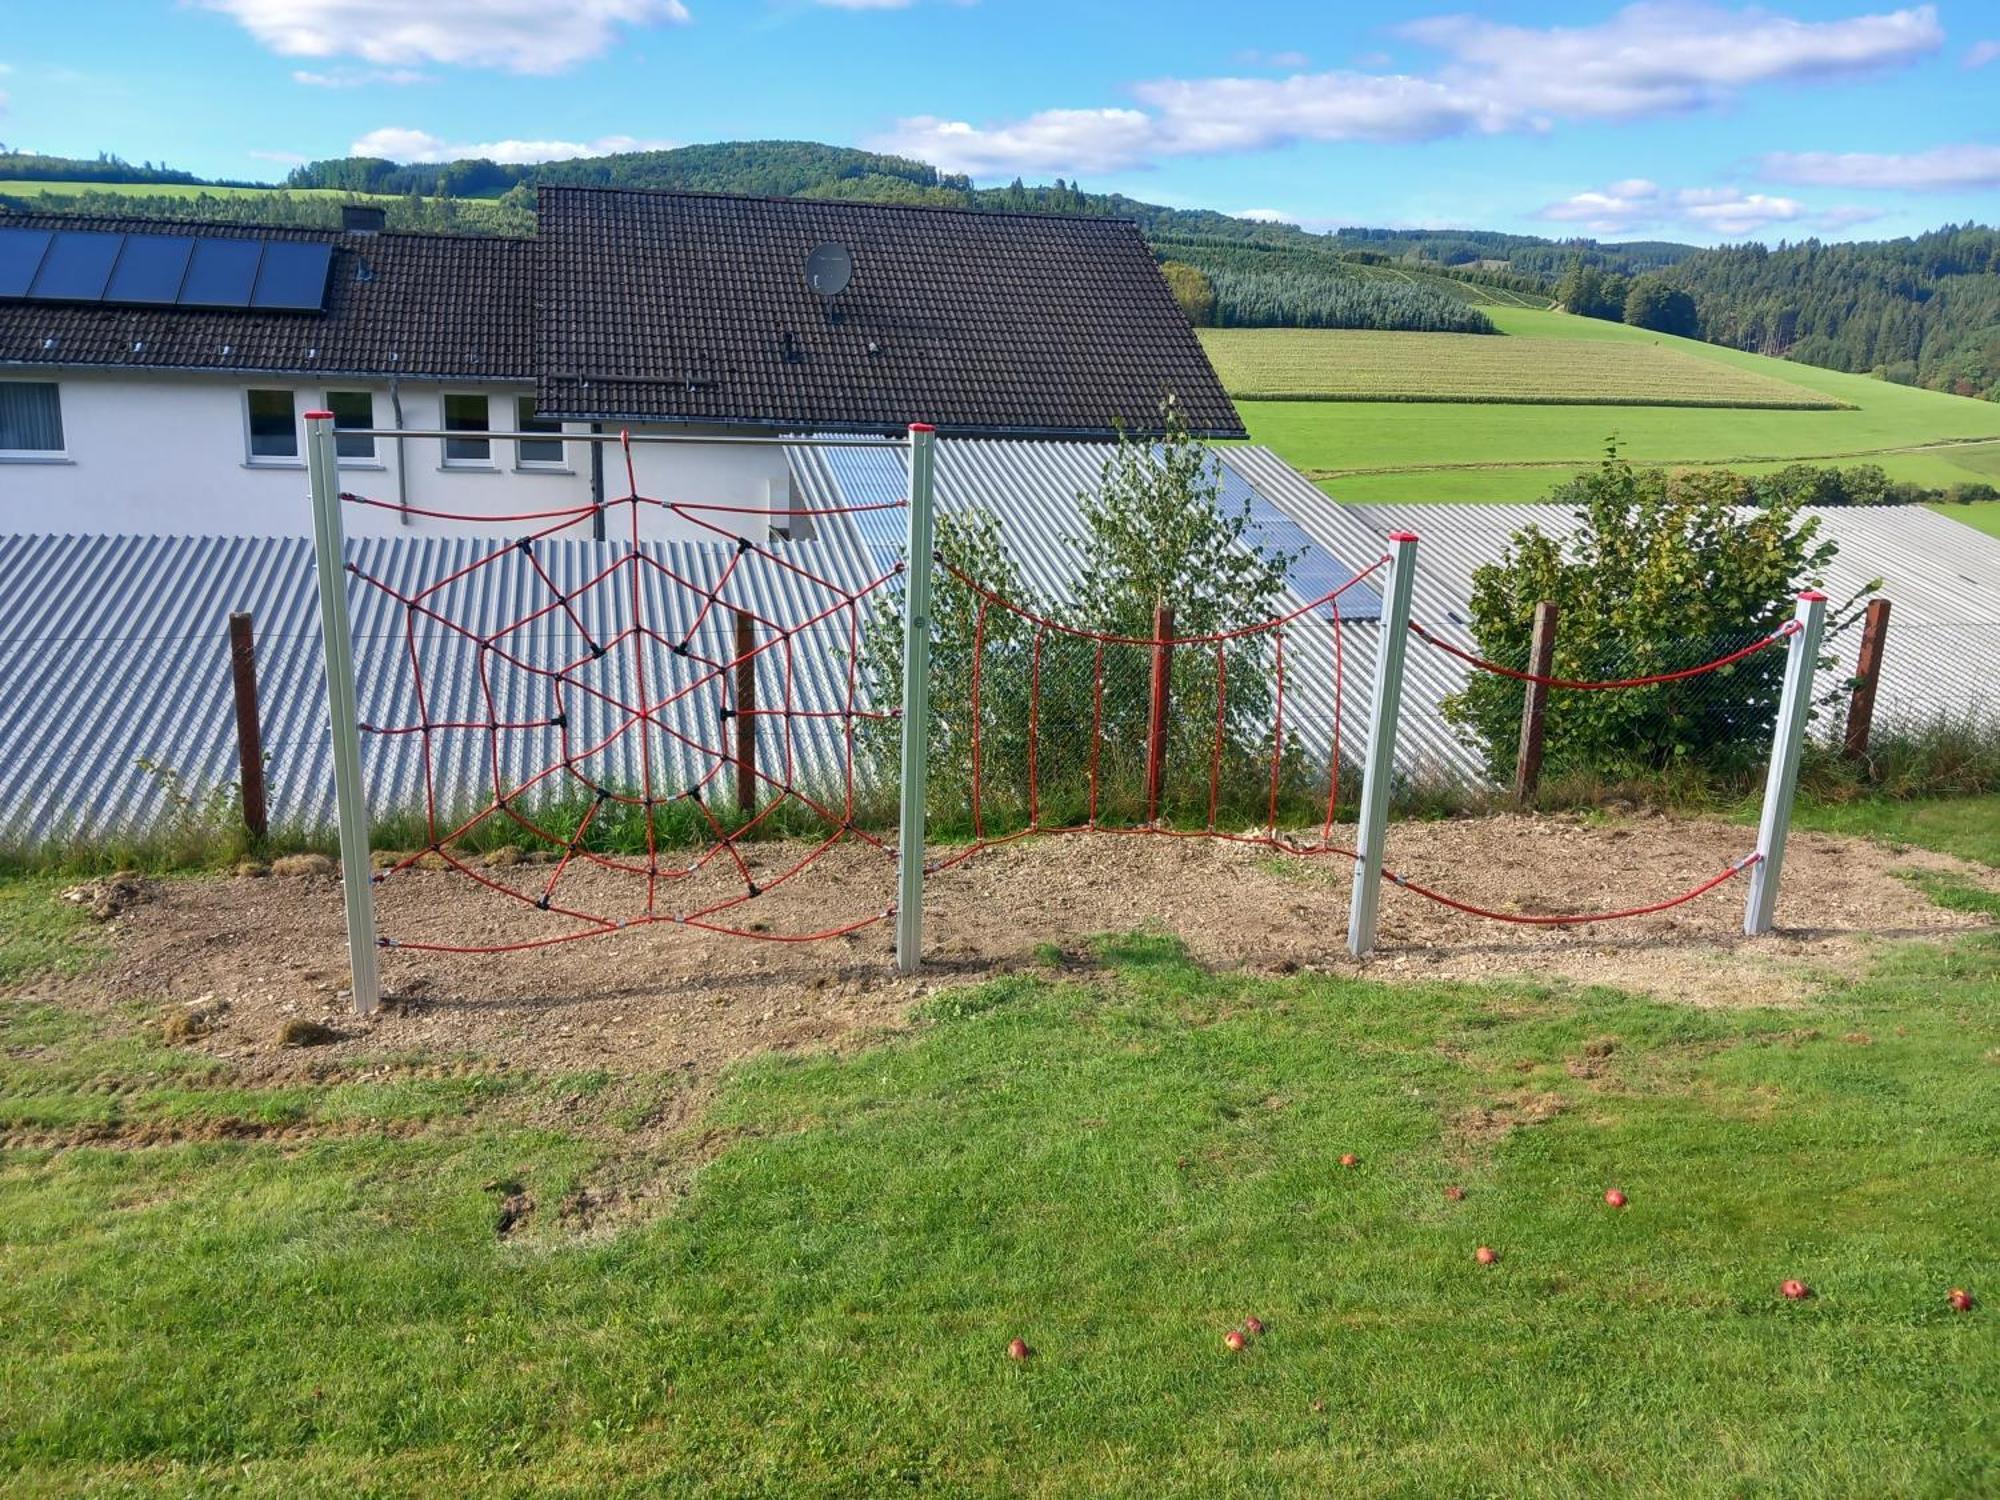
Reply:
x=1350, y=1160
x=1796, y=1291
x=1019, y=1349
x=1234, y=1338
x=1486, y=1255
x=1961, y=1299
x=1615, y=1198
x=1253, y=1326
x=1454, y=1192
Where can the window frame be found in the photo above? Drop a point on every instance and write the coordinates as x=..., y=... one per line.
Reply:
x=449, y=460
x=296, y=459
x=358, y=459
x=56, y=455
x=525, y=420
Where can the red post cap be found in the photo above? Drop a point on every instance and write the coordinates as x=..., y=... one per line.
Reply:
x=1813, y=596
x=312, y=414
x=1402, y=536
x=922, y=427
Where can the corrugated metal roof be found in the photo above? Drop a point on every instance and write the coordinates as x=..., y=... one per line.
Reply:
x=114, y=649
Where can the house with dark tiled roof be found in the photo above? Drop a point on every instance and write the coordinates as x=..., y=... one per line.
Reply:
x=154, y=375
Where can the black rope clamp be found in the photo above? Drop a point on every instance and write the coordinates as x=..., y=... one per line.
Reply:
x=596, y=651
x=693, y=794
x=604, y=794
x=559, y=720
x=755, y=889
x=742, y=545
x=728, y=713
x=527, y=545
x=542, y=902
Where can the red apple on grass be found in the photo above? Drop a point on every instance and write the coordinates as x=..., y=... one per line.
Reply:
x=1454, y=1192
x=1019, y=1349
x=1615, y=1198
x=1253, y=1326
x=1796, y=1291
x=1234, y=1339
x=1486, y=1255
x=1350, y=1160
x=1961, y=1300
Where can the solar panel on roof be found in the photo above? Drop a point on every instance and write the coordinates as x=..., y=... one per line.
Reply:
x=21, y=252
x=293, y=276
x=76, y=266
x=150, y=268
x=222, y=273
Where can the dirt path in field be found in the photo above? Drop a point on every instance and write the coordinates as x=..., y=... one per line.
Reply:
x=252, y=954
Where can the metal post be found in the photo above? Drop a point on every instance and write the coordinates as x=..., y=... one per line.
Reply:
x=249, y=728
x=330, y=563
x=1535, y=707
x=1867, y=673
x=1372, y=821
x=1158, y=708
x=916, y=698
x=1787, y=743
x=746, y=714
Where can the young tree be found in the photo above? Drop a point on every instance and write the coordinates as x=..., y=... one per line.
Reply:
x=1663, y=572
x=1652, y=303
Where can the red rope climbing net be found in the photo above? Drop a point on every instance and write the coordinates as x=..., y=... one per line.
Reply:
x=629, y=670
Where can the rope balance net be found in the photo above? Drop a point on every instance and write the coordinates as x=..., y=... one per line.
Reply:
x=1675, y=694
x=619, y=734
x=1040, y=726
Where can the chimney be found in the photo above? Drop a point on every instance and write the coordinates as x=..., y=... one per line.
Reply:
x=362, y=218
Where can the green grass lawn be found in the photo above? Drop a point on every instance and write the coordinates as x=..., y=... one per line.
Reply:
x=1117, y=1163
x=1968, y=827
x=1381, y=451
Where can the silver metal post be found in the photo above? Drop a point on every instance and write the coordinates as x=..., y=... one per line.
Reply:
x=1788, y=740
x=330, y=563
x=916, y=698
x=1372, y=822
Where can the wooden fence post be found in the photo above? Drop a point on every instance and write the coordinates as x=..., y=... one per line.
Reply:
x=746, y=714
x=1535, y=707
x=1867, y=673
x=249, y=729
x=1156, y=718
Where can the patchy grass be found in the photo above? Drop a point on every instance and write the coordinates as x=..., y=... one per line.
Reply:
x=1968, y=827
x=393, y=1291
x=40, y=933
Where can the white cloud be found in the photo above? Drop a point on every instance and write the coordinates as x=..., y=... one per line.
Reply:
x=1941, y=168
x=1638, y=203
x=1255, y=57
x=354, y=78
x=1646, y=59
x=1979, y=54
x=397, y=143
x=1054, y=141
x=520, y=36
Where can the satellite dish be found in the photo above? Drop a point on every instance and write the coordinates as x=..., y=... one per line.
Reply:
x=829, y=268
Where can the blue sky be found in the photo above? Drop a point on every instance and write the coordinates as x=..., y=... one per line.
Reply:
x=1656, y=120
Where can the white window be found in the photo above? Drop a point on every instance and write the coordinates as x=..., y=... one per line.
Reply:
x=274, y=428
x=535, y=453
x=467, y=414
x=352, y=409
x=30, y=419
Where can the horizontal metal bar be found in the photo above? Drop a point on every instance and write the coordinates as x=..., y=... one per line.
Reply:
x=477, y=435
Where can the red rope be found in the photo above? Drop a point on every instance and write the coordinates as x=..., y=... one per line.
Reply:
x=1577, y=918
x=1790, y=628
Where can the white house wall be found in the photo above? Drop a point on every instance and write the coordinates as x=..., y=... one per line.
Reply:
x=168, y=454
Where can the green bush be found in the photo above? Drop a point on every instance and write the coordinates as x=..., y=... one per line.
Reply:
x=1663, y=573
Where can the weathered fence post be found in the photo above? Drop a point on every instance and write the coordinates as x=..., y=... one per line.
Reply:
x=746, y=714
x=1158, y=708
x=916, y=699
x=1867, y=673
x=1535, y=707
x=330, y=563
x=1787, y=746
x=1372, y=821
x=249, y=727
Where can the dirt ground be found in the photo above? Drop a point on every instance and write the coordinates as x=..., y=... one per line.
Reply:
x=253, y=954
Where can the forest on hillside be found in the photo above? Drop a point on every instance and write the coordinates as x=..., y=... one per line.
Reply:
x=1922, y=311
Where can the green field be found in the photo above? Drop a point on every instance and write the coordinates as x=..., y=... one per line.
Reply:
x=39, y=189
x=1303, y=364
x=1404, y=451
